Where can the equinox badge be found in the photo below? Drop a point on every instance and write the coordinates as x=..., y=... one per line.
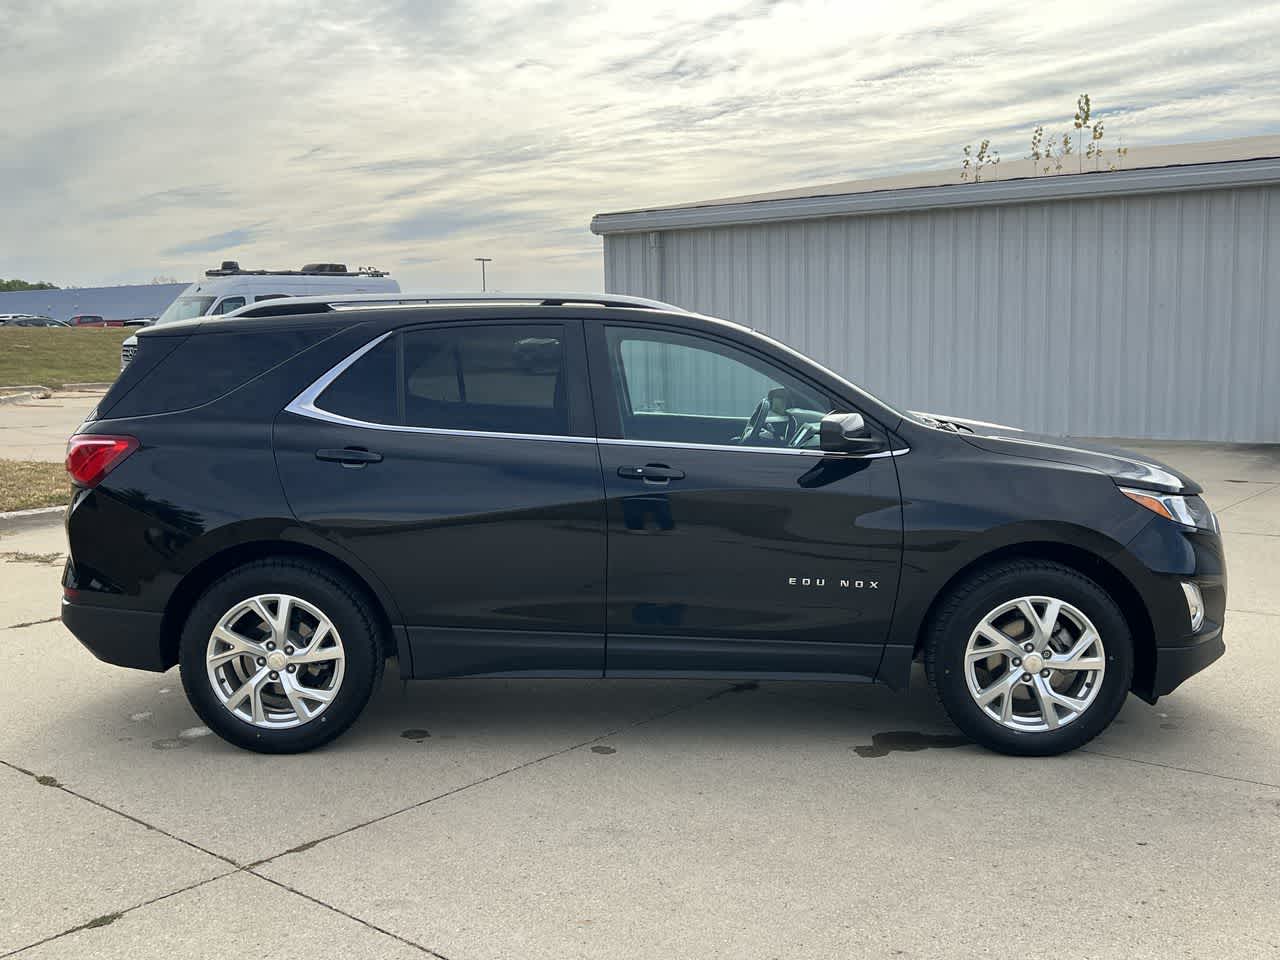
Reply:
x=843, y=584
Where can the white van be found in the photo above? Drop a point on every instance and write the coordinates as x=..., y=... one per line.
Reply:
x=229, y=288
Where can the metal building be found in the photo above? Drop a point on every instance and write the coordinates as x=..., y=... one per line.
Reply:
x=113, y=303
x=1143, y=302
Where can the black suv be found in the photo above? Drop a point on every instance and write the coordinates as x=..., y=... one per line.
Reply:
x=599, y=486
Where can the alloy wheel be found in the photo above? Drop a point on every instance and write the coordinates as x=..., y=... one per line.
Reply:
x=1034, y=664
x=275, y=661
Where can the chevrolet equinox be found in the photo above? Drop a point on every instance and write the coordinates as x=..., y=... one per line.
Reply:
x=601, y=486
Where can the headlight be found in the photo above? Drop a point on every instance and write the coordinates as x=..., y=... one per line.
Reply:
x=1191, y=511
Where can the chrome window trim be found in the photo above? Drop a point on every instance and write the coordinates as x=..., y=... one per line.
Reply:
x=304, y=405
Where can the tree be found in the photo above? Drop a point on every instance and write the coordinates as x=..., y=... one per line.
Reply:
x=9, y=286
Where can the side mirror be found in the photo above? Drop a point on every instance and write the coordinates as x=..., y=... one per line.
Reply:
x=846, y=433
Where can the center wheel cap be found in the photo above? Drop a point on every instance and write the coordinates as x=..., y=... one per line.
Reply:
x=276, y=660
x=1033, y=663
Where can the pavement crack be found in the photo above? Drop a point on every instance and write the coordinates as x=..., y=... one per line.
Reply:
x=735, y=688
x=107, y=919
x=1172, y=766
x=53, y=782
x=350, y=916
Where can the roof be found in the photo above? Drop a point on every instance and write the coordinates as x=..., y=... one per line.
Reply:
x=1247, y=161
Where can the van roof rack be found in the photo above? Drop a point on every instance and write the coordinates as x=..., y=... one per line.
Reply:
x=286, y=306
x=231, y=268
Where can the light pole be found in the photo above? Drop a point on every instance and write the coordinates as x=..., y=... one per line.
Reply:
x=482, y=261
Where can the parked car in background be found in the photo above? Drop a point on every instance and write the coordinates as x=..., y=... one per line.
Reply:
x=93, y=320
x=28, y=320
x=593, y=485
x=231, y=287
x=138, y=321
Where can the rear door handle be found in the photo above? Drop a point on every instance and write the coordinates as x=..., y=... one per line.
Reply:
x=350, y=456
x=652, y=472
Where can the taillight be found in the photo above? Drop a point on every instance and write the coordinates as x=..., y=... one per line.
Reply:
x=91, y=456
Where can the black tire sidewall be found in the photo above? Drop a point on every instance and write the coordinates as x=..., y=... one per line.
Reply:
x=978, y=597
x=355, y=626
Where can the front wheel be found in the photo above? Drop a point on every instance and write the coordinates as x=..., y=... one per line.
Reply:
x=1030, y=657
x=280, y=656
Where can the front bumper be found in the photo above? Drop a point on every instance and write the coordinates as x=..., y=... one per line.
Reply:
x=1175, y=664
x=1169, y=555
x=126, y=638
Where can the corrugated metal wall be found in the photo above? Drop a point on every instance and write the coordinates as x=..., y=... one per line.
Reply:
x=1151, y=316
x=114, y=303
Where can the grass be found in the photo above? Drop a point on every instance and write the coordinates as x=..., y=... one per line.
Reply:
x=53, y=356
x=25, y=484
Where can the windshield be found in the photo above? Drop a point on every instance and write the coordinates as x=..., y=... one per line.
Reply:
x=184, y=308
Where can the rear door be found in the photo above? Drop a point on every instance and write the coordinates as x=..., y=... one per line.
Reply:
x=736, y=546
x=458, y=461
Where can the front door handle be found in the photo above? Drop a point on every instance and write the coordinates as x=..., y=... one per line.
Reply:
x=651, y=472
x=350, y=456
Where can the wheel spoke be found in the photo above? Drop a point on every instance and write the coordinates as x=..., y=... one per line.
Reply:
x=252, y=689
x=997, y=642
x=1003, y=685
x=291, y=690
x=314, y=693
x=1048, y=711
x=238, y=645
x=315, y=653
x=1048, y=696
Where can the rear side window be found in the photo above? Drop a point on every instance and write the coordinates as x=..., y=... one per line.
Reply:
x=503, y=379
x=200, y=368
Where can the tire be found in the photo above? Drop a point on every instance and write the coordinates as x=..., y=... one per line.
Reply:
x=324, y=680
x=961, y=675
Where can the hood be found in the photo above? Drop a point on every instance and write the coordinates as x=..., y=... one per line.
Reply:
x=1123, y=466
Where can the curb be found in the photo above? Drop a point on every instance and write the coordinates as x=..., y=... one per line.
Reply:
x=86, y=386
x=20, y=397
x=26, y=519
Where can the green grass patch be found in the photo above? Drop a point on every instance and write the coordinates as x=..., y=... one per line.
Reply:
x=54, y=356
x=26, y=484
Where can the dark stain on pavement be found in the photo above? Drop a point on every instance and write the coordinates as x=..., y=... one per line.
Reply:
x=601, y=749
x=883, y=744
x=415, y=735
x=46, y=781
x=31, y=623
x=102, y=921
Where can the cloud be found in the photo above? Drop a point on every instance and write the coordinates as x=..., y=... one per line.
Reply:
x=239, y=237
x=140, y=140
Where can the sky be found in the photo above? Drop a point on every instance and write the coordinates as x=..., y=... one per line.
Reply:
x=145, y=138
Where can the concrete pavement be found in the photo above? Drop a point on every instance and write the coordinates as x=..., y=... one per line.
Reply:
x=38, y=429
x=494, y=819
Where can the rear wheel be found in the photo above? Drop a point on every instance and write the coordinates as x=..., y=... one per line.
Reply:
x=280, y=656
x=1030, y=657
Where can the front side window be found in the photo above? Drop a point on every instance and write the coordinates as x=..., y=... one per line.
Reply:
x=675, y=387
x=229, y=304
x=494, y=379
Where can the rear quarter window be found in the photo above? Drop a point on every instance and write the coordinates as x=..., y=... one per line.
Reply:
x=201, y=368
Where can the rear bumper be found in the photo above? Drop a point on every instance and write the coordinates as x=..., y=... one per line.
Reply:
x=126, y=638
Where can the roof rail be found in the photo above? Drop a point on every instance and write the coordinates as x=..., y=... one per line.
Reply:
x=285, y=306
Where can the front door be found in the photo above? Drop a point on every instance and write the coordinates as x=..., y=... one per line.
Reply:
x=458, y=463
x=736, y=546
